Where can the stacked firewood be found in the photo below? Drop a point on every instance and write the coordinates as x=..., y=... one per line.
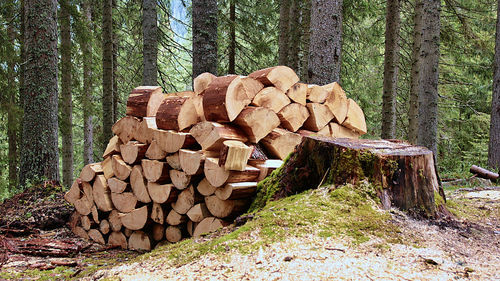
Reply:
x=187, y=163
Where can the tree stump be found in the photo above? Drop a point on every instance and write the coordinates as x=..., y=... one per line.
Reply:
x=401, y=174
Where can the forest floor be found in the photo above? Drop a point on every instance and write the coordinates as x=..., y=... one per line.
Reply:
x=318, y=235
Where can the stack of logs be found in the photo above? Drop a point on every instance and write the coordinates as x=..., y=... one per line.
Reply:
x=187, y=163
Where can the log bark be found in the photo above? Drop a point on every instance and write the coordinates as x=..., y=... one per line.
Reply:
x=211, y=135
x=125, y=128
x=190, y=161
x=138, y=183
x=483, y=173
x=234, y=155
x=293, y=116
x=162, y=193
x=224, y=99
x=257, y=122
x=281, y=77
x=272, y=98
x=144, y=101
x=176, y=113
x=280, y=143
x=155, y=171
x=90, y=170
x=135, y=219
x=239, y=190
x=258, y=156
x=355, y=118
x=298, y=93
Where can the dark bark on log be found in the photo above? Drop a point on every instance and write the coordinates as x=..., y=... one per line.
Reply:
x=483, y=173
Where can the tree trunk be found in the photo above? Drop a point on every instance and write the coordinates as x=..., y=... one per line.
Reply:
x=39, y=150
x=150, y=43
x=86, y=46
x=107, y=70
x=232, y=34
x=283, y=35
x=391, y=69
x=305, y=38
x=415, y=73
x=294, y=35
x=204, y=37
x=494, y=146
x=428, y=96
x=13, y=113
x=116, y=46
x=66, y=125
x=326, y=42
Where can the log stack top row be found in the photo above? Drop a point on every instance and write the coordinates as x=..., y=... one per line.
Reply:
x=183, y=164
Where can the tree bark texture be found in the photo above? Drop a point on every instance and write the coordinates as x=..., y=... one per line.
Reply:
x=204, y=37
x=284, y=31
x=326, y=42
x=428, y=96
x=13, y=113
x=232, y=34
x=107, y=71
x=116, y=47
x=39, y=151
x=415, y=73
x=86, y=46
x=494, y=145
x=305, y=38
x=150, y=43
x=391, y=69
x=294, y=35
x=66, y=125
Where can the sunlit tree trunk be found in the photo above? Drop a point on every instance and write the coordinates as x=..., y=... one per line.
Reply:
x=305, y=37
x=494, y=146
x=283, y=32
x=415, y=74
x=294, y=35
x=86, y=46
x=204, y=36
x=150, y=43
x=232, y=34
x=107, y=71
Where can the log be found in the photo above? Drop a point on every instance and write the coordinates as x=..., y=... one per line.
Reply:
x=252, y=86
x=74, y=220
x=336, y=101
x=225, y=208
x=224, y=99
x=402, y=175
x=125, y=128
x=144, y=101
x=267, y=168
x=208, y=225
x=339, y=131
x=175, y=218
x=187, y=94
x=145, y=129
x=117, y=239
x=280, y=143
x=298, y=93
x=319, y=117
x=86, y=222
x=133, y=151
x=75, y=192
x=215, y=174
x=257, y=122
x=211, y=135
x=258, y=155
x=484, y=173
x=107, y=167
x=120, y=169
x=186, y=199
x=102, y=194
x=80, y=232
x=104, y=227
x=158, y=232
x=198, y=212
x=272, y=98
x=234, y=155
x=205, y=188
x=116, y=185
x=198, y=105
x=96, y=236
x=127, y=232
x=113, y=147
x=293, y=116
x=124, y=202
x=83, y=205
x=173, y=161
x=176, y=113
x=135, y=219
x=139, y=240
x=173, y=234
x=201, y=82
x=90, y=170
x=139, y=184
x=162, y=193
x=180, y=179
x=95, y=214
x=157, y=213
x=238, y=190
x=115, y=223
x=171, y=141
x=191, y=161
x=317, y=94
x=155, y=152
x=249, y=174
x=355, y=118
x=281, y=77
x=190, y=225
x=325, y=131
x=154, y=170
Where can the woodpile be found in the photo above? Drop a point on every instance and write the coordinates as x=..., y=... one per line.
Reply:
x=185, y=164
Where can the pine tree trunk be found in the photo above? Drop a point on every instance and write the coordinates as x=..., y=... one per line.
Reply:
x=116, y=46
x=107, y=71
x=232, y=34
x=294, y=35
x=391, y=69
x=204, y=37
x=66, y=125
x=150, y=43
x=415, y=73
x=428, y=96
x=283, y=36
x=494, y=146
x=305, y=37
x=39, y=151
x=13, y=113
x=86, y=46
x=326, y=42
